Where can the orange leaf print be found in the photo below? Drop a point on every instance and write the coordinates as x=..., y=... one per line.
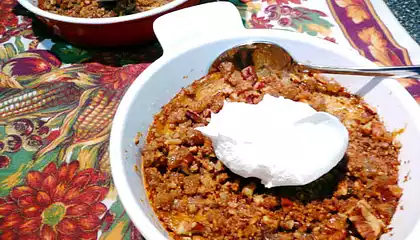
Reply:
x=355, y=10
x=407, y=82
x=394, y=58
x=270, y=1
x=9, y=82
x=319, y=28
x=373, y=37
x=280, y=2
x=378, y=47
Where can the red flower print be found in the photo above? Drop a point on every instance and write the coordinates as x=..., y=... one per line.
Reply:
x=135, y=234
x=276, y=12
x=116, y=78
x=63, y=203
x=295, y=13
x=331, y=39
x=281, y=2
x=107, y=220
x=273, y=12
x=259, y=22
x=7, y=20
x=99, y=68
x=285, y=21
x=7, y=4
x=285, y=10
x=23, y=29
x=4, y=160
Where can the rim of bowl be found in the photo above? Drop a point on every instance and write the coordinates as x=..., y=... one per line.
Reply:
x=128, y=200
x=97, y=21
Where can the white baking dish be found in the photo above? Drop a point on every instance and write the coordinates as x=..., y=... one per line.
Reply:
x=192, y=38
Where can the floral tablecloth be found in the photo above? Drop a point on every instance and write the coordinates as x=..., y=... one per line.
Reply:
x=57, y=103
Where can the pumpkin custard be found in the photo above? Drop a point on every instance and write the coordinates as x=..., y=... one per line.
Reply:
x=196, y=197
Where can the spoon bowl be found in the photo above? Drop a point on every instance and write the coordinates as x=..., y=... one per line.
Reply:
x=277, y=59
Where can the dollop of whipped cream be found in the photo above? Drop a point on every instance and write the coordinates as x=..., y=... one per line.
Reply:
x=280, y=141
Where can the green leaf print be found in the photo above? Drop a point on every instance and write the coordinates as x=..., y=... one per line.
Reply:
x=70, y=54
x=7, y=51
x=124, y=62
x=243, y=10
x=20, y=46
x=2, y=132
x=14, y=174
x=40, y=163
x=21, y=163
x=116, y=223
x=57, y=120
x=311, y=22
x=238, y=3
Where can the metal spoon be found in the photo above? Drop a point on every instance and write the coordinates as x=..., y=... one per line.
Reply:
x=270, y=55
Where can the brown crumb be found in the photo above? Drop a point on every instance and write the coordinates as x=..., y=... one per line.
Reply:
x=98, y=9
x=137, y=138
x=136, y=169
x=196, y=197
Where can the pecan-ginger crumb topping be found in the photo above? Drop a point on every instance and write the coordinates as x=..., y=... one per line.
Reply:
x=196, y=197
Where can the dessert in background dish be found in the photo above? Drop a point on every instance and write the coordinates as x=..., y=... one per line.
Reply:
x=196, y=196
x=272, y=149
x=97, y=8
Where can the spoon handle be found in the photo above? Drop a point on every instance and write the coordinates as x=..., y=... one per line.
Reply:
x=393, y=72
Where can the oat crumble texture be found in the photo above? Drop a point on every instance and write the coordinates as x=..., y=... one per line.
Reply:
x=196, y=197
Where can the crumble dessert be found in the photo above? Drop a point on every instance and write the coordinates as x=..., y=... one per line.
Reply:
x=98, y=9
x=196, y=197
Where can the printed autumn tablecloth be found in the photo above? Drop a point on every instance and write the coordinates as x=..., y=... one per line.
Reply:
x=57, y=103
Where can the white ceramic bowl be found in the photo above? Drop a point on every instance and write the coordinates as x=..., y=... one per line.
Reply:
x=192, y=38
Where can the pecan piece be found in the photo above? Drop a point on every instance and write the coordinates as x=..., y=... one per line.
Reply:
x=179, y=157
x=259, y=85
x=368, y=226
x=195, y=117
x=249, y=74
x=248, y=190
x=226, y=68
x=235, y=78
x=270, y=222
